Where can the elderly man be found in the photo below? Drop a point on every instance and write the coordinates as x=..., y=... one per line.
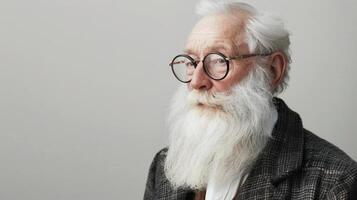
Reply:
x=231, y=137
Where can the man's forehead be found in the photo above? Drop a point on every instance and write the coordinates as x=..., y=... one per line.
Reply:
x=205, y=46
x=215, y=32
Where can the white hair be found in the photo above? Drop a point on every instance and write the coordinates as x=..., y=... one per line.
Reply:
x=264, y=32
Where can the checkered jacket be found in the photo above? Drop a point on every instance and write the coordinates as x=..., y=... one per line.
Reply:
x=295, y=164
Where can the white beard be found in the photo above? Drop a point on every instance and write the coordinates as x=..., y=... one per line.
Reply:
x=218, y=136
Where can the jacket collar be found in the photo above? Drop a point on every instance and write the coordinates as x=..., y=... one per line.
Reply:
x=281, y=157
x=287, y=144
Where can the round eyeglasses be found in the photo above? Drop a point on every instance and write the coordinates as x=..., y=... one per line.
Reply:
x=215, y=65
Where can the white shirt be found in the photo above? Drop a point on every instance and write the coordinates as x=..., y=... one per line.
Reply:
x=225, y=191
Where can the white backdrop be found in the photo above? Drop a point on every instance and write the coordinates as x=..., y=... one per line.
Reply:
x=85, y=88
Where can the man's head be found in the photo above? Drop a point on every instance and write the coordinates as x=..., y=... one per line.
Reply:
x=218, y=127
x=235, y=29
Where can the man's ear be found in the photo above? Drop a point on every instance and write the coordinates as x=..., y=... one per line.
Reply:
x=277, y=68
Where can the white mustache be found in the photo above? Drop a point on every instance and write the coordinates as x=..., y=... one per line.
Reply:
x=203, y=98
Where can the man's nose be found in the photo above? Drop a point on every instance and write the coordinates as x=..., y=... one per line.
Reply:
x=200, y=80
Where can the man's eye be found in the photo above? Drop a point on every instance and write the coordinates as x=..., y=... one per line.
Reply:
x=221, y=61
x=189, y=64
x=218, y=61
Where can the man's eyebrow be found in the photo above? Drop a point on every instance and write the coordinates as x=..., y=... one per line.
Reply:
x=188, y=51
x=209, y=49
x=219, y=47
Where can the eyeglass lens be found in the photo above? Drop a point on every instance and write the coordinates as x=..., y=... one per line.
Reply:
x=215, y=66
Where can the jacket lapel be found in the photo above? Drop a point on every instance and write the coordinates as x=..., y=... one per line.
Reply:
x=281, y=158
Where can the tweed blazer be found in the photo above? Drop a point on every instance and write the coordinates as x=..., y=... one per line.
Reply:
x=295, y=164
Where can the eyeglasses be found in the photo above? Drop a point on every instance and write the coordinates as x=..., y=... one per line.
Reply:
x=215, y=65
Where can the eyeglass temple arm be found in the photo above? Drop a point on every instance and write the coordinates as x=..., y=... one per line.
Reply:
x=179, y=62
x=248, y=55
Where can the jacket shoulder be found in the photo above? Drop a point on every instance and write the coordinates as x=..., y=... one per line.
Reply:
x=158, y=186
x=156, y=177
x=321, y=153
x=156, y=171
x=326, y=171
x=334, y=172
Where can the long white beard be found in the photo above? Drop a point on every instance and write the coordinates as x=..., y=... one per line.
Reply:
x=218, y=136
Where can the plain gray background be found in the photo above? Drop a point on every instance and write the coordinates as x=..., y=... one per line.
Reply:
x=85, y=88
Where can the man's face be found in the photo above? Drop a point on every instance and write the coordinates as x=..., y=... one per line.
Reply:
x=218, y=33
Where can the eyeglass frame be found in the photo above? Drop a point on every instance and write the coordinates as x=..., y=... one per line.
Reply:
x=227, y=59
